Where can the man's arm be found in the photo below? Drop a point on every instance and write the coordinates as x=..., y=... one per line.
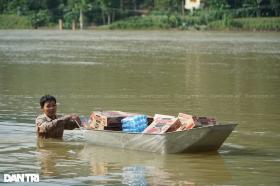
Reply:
x=45, y=126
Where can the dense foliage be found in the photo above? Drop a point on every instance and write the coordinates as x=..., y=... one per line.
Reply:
x=135, y=13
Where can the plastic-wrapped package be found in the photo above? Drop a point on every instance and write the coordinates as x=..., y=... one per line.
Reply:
x=134, y=123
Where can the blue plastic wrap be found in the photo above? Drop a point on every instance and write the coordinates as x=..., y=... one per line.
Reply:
x=134, y=123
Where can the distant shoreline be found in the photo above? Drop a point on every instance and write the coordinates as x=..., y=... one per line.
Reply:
x=144, y=30
x=257, y=24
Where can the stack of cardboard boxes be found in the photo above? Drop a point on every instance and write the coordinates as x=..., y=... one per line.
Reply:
x=159, y=124
x=110, y=120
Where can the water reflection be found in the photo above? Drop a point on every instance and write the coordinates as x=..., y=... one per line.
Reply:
x=141, y=168
x=58, y=158
x=134, y=175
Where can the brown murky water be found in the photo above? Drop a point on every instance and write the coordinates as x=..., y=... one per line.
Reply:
x=232, y=76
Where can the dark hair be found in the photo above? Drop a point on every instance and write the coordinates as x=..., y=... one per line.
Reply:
x=46, y=98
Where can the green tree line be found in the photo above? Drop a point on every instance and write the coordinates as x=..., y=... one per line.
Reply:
x=102, y=12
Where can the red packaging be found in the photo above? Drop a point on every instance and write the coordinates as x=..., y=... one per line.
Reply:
x=186, y=121
x=162, y=124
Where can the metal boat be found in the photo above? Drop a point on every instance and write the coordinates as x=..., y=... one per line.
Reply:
x=201, y=139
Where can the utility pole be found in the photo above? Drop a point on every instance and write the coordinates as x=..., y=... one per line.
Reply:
x=60, y=24
x=109, y=18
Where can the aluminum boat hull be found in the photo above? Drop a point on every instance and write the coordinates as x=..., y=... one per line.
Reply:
x=203, y=139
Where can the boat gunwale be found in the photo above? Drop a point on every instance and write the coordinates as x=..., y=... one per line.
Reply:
x=167, y=133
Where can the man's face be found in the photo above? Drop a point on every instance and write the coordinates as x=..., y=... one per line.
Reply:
x=49, y=109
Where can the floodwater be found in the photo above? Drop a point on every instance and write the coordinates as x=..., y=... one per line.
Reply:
x=234, y=77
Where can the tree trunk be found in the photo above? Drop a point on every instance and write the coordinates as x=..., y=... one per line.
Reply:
x=258, y=7
x=113, y=16
x=103, y=18
x=183, y=7
x=109, y=18
x=121, y=4
x=73, y=25
x=81, y=20
x=134, y=5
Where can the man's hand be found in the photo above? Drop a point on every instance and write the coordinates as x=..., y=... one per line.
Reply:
x=72, y=121
x=75, y=118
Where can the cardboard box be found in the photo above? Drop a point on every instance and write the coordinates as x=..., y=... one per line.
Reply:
x=110, y=120
x=202, y=121
x=162, y=124
x=186, y=121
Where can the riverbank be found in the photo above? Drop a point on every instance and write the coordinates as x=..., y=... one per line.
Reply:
x=197, y=23
x=162, y=22
x=249, y=24
x=14, y=22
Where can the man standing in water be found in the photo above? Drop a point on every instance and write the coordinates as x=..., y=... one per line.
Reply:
x=50, y=125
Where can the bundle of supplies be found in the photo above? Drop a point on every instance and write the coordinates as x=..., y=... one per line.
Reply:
x=162, y=124
x=111, y=120
x=134, y=123
x=108, y=120
x=202, y=121
x=187, y=122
